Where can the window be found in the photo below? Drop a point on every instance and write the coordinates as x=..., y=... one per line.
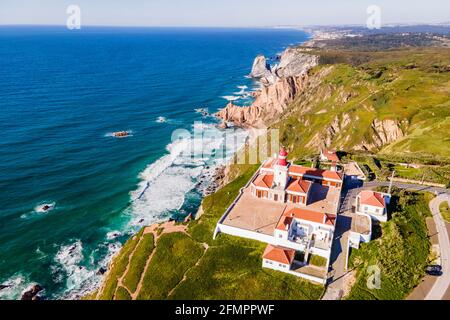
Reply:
x=262, y=194
x=275, y=197
x=294, y=199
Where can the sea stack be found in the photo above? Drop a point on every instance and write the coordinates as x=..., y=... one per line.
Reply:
x=261, y=67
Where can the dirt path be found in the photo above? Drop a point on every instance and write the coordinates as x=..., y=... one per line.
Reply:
x=206, y=246
x=167, y=227
x=120, y=280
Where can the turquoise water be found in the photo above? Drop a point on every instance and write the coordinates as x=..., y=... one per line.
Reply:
x=62, y=94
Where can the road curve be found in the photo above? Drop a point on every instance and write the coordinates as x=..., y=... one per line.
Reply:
x=439, y=288
x=335, y=288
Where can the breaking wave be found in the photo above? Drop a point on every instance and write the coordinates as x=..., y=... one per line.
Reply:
x=187, y=166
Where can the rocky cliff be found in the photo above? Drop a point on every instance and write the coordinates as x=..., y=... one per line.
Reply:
x=280, y=85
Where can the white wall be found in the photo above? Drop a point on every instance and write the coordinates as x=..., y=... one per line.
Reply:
x=276, y=265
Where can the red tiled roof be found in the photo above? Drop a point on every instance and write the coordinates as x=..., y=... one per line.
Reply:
x=279, y=254
x=330, y=155
x=299, y=186
x=284, y=223
x=264, y=181
x=318, y=173
x=372, y=198
x=312, y=216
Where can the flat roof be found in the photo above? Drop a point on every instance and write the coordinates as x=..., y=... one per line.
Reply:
x=262, y=215
x=361, y=224
x=254, y=214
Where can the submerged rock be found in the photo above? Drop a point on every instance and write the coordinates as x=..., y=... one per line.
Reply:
x=32, y=293
x=101, y=271
x=4, y=286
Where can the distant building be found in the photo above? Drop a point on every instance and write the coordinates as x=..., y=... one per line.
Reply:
x=373, y=204
x=329, y=155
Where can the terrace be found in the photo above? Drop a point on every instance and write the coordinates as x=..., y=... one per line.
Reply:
x=361, y=224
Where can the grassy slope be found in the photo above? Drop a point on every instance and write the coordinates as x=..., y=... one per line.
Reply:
x=401, y=252
x=411, y=86
x=229, y=269
x=118, y=267
x=138, y=261
x=404, y=85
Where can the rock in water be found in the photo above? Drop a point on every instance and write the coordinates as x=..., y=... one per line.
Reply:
x=260, y=67
x=188, y=218
x=101, y=271
x=32, y=294
x=3, y=286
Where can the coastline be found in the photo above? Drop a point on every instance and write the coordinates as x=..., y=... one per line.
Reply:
x=220, y=175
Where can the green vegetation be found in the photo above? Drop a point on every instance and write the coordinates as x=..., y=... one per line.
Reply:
x=305, y=163
x=381, y=167
x=138, y=261
x=175, y=254
x=445, y=211
x=230, y=267
x=122, y=294
x=355, y=102
x=401, y=252
x=317, y=260
x=233, y=271
x=347, y=96
x=215, y=205
x=118, y=267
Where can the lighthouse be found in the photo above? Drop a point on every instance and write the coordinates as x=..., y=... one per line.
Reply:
x=281, y=168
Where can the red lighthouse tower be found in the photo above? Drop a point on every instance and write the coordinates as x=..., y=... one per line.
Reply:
x=281, y=169
x=282, y=157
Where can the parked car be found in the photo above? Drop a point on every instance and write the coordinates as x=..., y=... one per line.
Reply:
x=434, y=271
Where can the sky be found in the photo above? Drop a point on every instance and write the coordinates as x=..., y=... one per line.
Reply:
x=222, y=13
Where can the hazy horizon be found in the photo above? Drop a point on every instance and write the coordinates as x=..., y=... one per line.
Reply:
x=220, y=14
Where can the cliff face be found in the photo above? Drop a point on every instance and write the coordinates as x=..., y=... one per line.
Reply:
x=383, y=132
x=280, y=86
x=380, y=133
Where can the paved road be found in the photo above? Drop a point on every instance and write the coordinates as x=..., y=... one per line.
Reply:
x=339, y=250
x=440, y=287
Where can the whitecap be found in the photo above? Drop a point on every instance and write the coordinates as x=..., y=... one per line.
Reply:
x=15, y=286
x=69, y=258
x=113, y=235
x=166, y=182
x=231, y=98
x=161, y=120
x=40, y=209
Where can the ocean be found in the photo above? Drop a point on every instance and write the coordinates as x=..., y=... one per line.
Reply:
x=62, y=95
